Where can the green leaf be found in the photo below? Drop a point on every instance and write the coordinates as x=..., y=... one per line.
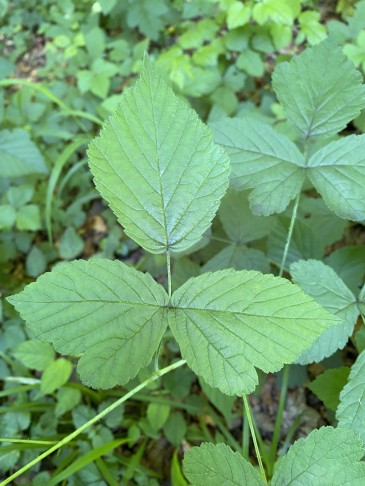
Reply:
x=104, y=309
x=327, y=456
x=238, y=257
x=251, y=62
x=228, y=322
x=351, y=410
x=263, y=160
x=324, y=285
x=56, y=375
x=175, y=428
x=238, y=14
x=349, y=264
x=28, y=218
x=70, y=244
x=19, y=156
x=34, y=354
x=217, y=465
x=338, y=173
x=328, y=385
x=67, y=399
x=240, y=225
x=158, y=168
x=223, y=403
x=157, y=414
x=320, y=90
x=36, y=262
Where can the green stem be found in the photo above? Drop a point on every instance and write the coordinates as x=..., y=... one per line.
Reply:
x=245, y=436
x=169, y=282
x=279, y=418
x=290, y=234
x=95, y=419
x=252, y=429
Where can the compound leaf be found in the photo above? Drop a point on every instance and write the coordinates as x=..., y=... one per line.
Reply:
x=338, y=173
x=228, y=322
x=158, y=168
x=325, y=286
x=263, y=160
x=351, y=410
x=110, y=312
x=218, y=464
x=327, y=457
x=19, y=156
x=320, y=90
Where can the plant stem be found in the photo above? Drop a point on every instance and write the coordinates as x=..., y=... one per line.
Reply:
x=97, y=417
x=279, y=418
x=252, y=429
x=169, y=282
x=290, y=234
x=245, y=436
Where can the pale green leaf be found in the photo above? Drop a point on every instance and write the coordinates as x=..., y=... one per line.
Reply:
x=67, y=399
x=349, y=264
x=238, y=257
x=328, y=385
x=227, y=323
x=263, y=160
x=338, y=173
x=327, y=457
x=34, y=354
x=19, y=156
x=320, y=90
x=102, y=308
x=217, y=465
x=157, y=166
x=238, y=222
x=56, y=375
x=325, y=286
x=351, y=410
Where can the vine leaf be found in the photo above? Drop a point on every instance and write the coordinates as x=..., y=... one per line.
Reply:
x=330, y=292
x=327, y=456
x=263, y=160
x=338, y=173
x=351, y=410
x=112, y=313
x=320, y=90
x=227, y=323
x=218, y=464
x=158, y=168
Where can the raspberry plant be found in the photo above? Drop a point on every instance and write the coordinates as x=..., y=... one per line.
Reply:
x=160, y=171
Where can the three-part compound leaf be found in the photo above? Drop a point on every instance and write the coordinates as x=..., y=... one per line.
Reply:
x=320, y=90
x=321, y=282
x=158, y=168
x=338, y=173
x=112, y=313
x=215, y=465
x=262, y=159
x=227, y=323
x=327, y=457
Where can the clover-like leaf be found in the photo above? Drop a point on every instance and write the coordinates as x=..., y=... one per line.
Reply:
x=215, y=465
x=158, y=168
x=112, y=313
x=227, y=323
x=338, y=173
x=263, y=160
x=321, y=282
x=320, y=90
x=327, y=457
x=351, y=410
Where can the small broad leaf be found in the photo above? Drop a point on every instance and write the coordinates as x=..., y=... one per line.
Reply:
x=215, y=465
x=327, y=457
x=338, y=173
x=263, y=160
x=328, y=385
x=104, y=309
x=19, y=156
x=56, y=375
x=157, y=166
x=320, y=90
x=238, y=257
x=322, y=283
x=349, y=264
x=34, y=354
x=228, y=322
x=238, y=222
x=351, y=410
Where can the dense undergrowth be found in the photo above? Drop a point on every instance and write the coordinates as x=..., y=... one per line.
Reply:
x=64, y=68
